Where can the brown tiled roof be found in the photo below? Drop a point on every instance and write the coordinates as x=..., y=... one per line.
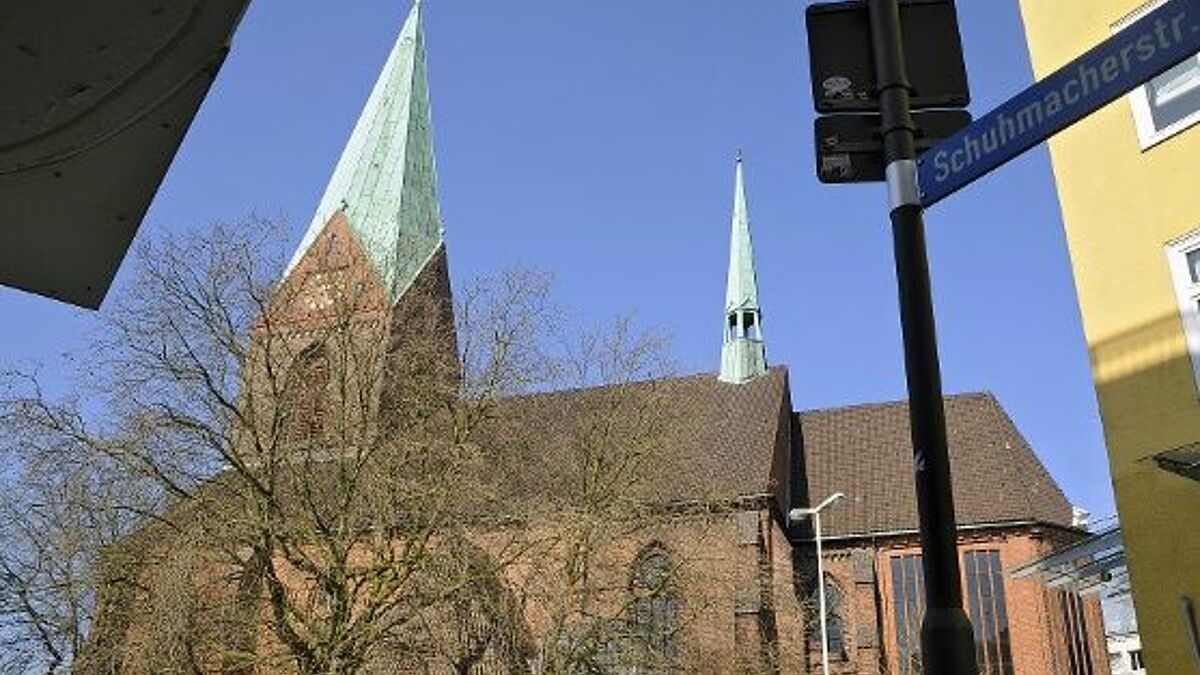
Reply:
x=719, y=439
x=865, y=452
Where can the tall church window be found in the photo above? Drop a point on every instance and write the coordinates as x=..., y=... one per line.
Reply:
x=656, y=609
x=908, y=603
x=305, y=396
x=985, y=603
x=989, y=613
x=835, y=625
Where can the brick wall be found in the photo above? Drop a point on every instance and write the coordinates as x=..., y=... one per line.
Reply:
x=750, y=603
x=1037, y=631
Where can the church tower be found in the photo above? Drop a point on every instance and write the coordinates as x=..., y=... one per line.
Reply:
x=743, y=354
x=384, y=184
x=379, y=225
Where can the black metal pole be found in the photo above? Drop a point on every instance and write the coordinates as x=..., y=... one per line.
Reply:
x=947, y=640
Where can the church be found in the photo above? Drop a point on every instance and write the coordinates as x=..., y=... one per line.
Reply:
x=744, y=593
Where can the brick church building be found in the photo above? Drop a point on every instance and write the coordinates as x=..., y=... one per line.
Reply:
x=744, y=458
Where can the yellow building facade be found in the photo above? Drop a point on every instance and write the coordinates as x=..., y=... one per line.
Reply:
x=1129, y=185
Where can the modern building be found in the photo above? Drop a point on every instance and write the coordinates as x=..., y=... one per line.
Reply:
x=1127, y=180
x=1125, y=655
x=742, y=458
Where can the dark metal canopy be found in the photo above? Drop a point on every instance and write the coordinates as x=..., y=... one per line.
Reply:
x=1183, y=461
x=97, y=99
x=1085, y=566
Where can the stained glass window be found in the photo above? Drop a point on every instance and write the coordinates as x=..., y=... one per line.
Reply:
x=655, y=612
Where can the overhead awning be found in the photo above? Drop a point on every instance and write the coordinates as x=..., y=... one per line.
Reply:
x=1085, y=566
x=97, y=99
x=1183, y=461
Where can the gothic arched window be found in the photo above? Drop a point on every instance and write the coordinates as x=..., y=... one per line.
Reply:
x=835, y=621
x=305, y=396
x=835, y=626
x=656, y=610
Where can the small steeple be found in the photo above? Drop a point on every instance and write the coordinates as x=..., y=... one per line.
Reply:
x=743, y=354
x=385, y=181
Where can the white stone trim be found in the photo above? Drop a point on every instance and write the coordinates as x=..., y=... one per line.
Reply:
x=1187, y=294
x=1139, y=101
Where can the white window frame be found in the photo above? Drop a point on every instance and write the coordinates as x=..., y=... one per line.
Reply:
x=1139, y=99
x=1187, y=293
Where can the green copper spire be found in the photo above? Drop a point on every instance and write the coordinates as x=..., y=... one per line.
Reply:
x=743, y=354
x=385, y=181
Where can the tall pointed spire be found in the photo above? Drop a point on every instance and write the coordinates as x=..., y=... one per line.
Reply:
x=743, y=354
x=385, y=182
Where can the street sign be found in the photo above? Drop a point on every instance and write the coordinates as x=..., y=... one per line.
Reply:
x=1149, y=47
x=850, y=147
x=842, y=62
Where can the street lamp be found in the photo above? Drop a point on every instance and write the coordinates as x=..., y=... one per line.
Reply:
x=815, y=513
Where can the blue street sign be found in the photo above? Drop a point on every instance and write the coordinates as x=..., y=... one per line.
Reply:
x=1144, y=50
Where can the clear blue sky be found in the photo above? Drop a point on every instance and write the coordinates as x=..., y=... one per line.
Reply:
x=596, y=140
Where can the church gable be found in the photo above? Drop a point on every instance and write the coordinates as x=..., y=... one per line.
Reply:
x=866, y=452
x=334, y=276
x=401, y=354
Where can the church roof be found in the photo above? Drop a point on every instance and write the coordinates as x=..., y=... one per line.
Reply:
x=719, y=443
x=865, y=452
x=726, y=442
x=385, y=181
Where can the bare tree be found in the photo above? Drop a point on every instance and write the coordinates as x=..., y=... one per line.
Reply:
x=58, y=511
x=251, y=411
x=277, y=474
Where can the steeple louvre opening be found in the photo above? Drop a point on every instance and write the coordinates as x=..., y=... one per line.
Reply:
x=750, y=326
x=744, y=325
